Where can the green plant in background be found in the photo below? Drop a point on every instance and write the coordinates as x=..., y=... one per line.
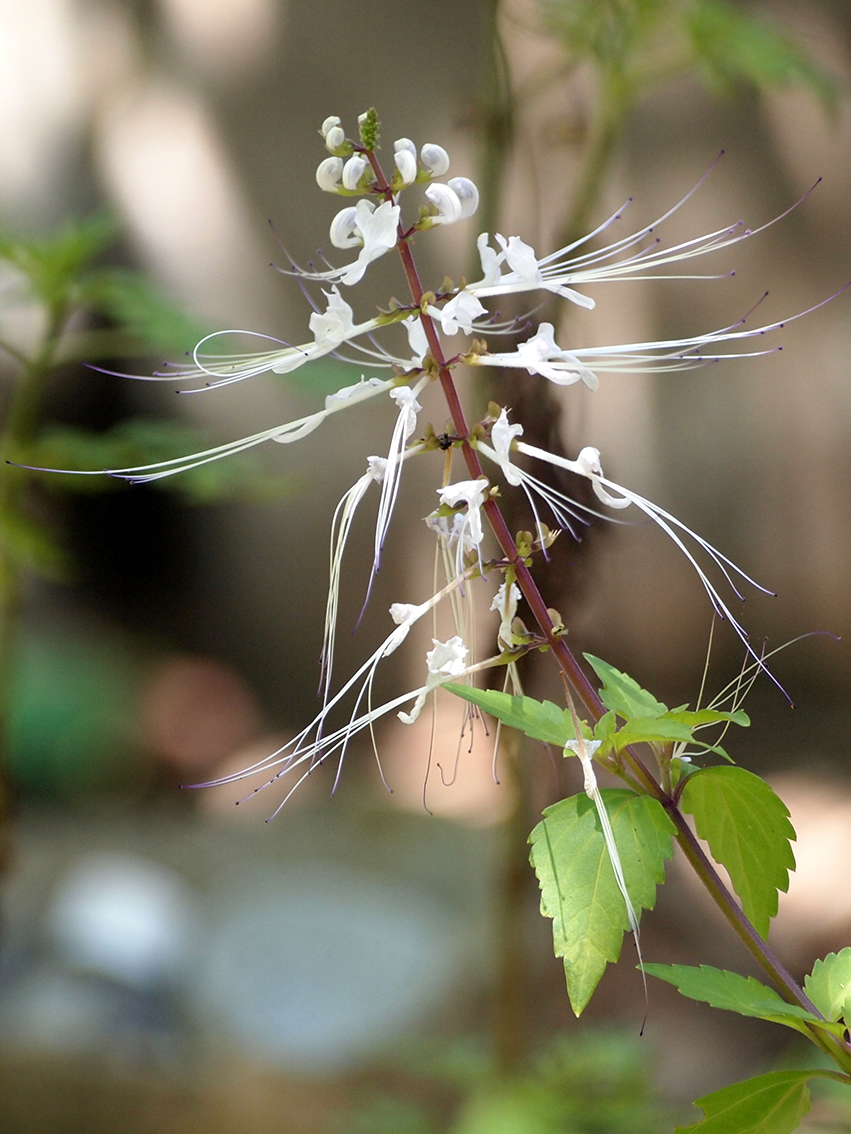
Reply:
x=59, y=306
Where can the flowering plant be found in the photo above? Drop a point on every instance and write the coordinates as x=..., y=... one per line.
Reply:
x=599, y=855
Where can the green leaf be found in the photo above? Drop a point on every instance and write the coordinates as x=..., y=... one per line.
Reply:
x=540, y=720
x=735, y=46
x=622, y=694
x=578, y=887
x=769, y=1104
x=733, y=993
x=699, y=718
x=54, y=264
x=829, y=985
x=748, y=830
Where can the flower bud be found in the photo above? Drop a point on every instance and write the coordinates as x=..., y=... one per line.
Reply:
x=406, y=163
x=328, y=174
x=404, y=144
x=328, y=125
x=447, y=203
x=467, y=193
x=353, y=171
x=435, y=159
x=335, y=138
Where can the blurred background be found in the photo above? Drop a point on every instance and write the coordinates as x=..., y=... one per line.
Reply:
x=371, y=961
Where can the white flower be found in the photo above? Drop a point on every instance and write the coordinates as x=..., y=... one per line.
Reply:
x=417, y=339
x=328, y=174
x=335, y=138
x=524, y=275
x=502, y=438
x=446, y=201
x=329, y=125
x=336, y=324
x=458, y=312
x=363, y=223
x=505, y=604
x=472, y=493
x=467, y=194
x=446, y=661
x=537, y=352
x=435, y=159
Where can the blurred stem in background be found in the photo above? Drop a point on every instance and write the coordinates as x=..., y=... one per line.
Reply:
x=624, y=49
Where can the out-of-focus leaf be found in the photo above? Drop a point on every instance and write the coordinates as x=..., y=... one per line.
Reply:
x=53, y=265
x=30, y=545
x=769, y=1104
x=144, y=441
x=737, y=47
x=140, y=308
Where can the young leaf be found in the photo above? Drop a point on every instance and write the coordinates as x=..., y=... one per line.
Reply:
x=622, y=694
x=829, y=985
x=540, y=720
x=578, y=887
x=769, y=1104
x=748, y=830
x=733, y=993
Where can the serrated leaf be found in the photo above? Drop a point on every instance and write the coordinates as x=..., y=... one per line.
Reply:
x=623, y=694
x=829, y=985
x=768, y=1104
x=733, y=993
x=578, y=887
x=738, y=47
x=748, y=830
x=540, y=720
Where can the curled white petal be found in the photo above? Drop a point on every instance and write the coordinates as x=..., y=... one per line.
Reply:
x=435, y=159
x=328, y=174
x=335, y=138
x=329, y=125
x=344, y=230
x=406, y=163
x=502, y=438
x=405, y=145
x=467, y=193
x=447, y=203
x=353, y=170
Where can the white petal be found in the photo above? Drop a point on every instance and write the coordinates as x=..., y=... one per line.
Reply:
x=435, y=159
x=406, y=163
x=353, y=171
x=328, y=174
x=447, y=203
x=344, y=229
x=467, y=192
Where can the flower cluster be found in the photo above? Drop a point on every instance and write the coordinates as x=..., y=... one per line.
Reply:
x=467, y=504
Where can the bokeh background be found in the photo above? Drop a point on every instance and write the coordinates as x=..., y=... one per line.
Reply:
x=171, y=962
